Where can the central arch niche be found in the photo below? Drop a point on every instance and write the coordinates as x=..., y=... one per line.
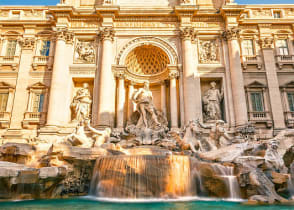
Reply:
x=147, y=60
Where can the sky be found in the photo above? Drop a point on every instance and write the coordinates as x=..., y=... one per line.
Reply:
x=54, y=2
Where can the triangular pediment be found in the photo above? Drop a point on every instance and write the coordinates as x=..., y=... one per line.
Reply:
x=5, y=85
x=256, y=84
x=289, y=85
x=37, y=85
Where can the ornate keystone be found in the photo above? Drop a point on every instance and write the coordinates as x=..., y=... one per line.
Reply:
x=188, y=33
x=107, y=33
x=231, y=34
x=267, y=42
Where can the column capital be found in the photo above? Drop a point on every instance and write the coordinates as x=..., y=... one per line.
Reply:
x=28, y=43
x=65, y=35
x=173, y=74
x=231, y=34
x=187, y=33
x=119, y=74
x=107, y=33
x=267, y=42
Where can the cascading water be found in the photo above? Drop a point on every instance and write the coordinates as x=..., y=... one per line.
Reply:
x=227, y=173
x=161, y=176
x=142, y=176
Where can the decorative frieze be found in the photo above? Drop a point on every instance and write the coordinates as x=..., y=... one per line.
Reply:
x=107, y=33
x=230, y=34
x=208, y=51
x=267, y=42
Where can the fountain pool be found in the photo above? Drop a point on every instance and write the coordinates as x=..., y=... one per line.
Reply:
x=91, y=204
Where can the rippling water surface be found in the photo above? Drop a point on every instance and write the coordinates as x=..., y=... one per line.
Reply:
x=91, y=204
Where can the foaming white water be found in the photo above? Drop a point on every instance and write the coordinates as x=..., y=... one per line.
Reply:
x=159, y=200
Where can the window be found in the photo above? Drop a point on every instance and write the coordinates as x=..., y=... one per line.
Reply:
x=291, y=101
x=257, y=102
x=38, y=101
x=3, y=101
x=45, y=48
x=11, y=48
x=248, y=48
x=283, y=47
x=277, y=14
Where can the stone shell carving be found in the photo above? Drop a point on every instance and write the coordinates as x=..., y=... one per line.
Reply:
x=147, y=60
x=85, y=52
x=208, y=51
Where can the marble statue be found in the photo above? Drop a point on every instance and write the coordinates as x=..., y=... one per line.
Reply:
x=212, y=103
x=217, y=133
x=79, y=137
x=147, y=124
x=100, y=137
x=273, y=159
x=81, y=104
x=144, y=100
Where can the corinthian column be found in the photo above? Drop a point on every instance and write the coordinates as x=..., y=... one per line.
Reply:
x=191, y=79
x=273, y=83
x=238, y=92
x=106, y=89
x=173, y=75
x=58, y=108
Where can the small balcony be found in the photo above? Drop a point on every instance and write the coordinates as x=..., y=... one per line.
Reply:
x=284, y=60
x=254, y=60
x=12, y=61
x=34, y=118
x=42, y=61
x=261, y=117
x=289, y=116
x=4, y=119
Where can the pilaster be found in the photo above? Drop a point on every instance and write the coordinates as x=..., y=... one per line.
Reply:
x=267, y=45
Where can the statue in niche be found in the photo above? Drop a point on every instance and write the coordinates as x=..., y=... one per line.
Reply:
x=208, y=52
x=85, y=52
x=147, y=124
x=81, y=104
x=212, y=103
x=144, y=100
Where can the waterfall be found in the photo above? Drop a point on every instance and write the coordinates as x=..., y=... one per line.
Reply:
x=142, y=176
x=227, y=173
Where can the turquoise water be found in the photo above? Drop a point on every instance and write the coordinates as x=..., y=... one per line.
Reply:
x=82, y=203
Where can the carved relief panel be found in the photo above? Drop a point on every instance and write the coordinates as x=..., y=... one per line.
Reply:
x=85, y=52
x=209, y=52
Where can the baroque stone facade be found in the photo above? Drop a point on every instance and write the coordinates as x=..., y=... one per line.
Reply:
x=86, y=59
